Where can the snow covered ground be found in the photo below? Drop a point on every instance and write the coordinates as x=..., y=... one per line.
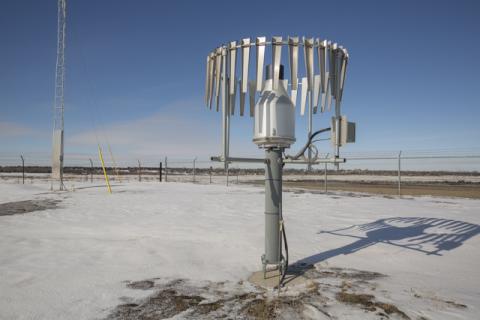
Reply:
x=73, y=262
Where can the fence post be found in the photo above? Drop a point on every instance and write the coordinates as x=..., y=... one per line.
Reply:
x=23, y=169
x=325, y=182
x=166, y=170
x=210, y=175
x=91, y=170
x=227, y=174
x=195, y=159
x=399, y=174
x=160, y=172
x=139, y=171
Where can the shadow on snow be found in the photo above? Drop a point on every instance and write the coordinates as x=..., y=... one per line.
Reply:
x=430, y=236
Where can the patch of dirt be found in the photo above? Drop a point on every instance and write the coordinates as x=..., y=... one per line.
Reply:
x=367, y=302
x=161, y=305
x=144, y=285
x=324, y=293
x=21, y=207
x=456, y=305
x=449, y=303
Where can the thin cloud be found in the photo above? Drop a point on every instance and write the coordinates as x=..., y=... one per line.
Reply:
x=10, y=129
x=176, y=131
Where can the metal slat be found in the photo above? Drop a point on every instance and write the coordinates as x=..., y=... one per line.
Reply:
x=308, y=54
x=210, y=79
x=303, y=98
x=245, y=63
x=316, y=92
x=333, y=47
x=293, y=96
x=276, y=59
x=322, y=63
x=252, y=91
x=344, y=73
x=233, y=97
x=218, y=68
x=232, y=61
x=293, y=58
x=260, y=43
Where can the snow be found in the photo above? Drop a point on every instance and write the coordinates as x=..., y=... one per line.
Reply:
x=74, y=261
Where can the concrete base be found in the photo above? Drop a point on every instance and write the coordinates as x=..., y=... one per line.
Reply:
x=272, y=278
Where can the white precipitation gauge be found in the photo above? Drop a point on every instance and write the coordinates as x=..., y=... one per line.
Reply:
x=273, y=111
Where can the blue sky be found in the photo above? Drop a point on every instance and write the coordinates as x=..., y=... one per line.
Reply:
x=135, y=72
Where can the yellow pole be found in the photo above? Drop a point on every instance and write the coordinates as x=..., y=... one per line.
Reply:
x=115, y=168
x=104, y=170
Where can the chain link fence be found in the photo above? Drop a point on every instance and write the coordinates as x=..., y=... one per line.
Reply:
x=442, y=173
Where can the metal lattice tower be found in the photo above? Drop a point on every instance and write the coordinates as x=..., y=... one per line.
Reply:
x=57, y=145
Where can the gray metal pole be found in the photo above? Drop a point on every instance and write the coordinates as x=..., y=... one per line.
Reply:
x=91, y=170
x=23, y=169
x=273, y=204
x=399, y=174
x=210, y=175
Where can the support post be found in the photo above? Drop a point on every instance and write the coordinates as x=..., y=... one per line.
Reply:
x=139, y=171
x=227, y=173
x=23, y=169
x=166, y=170
x=273, y=207
x=399, y=174
x=310, y=126
x=210, y=175
x=326, y=176
x=194, y=160
x=91, y=170
x=160, y=172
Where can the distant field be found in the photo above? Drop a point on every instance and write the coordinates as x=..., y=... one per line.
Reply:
x=431, y=189
x=439, y=184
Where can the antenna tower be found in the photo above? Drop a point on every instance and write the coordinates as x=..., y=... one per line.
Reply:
x=57, y=145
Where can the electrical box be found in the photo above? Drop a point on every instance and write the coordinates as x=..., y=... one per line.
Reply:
x=347, y=131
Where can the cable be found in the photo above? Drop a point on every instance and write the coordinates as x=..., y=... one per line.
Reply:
x=285, y=244
x=307, y=145
x=286, y=254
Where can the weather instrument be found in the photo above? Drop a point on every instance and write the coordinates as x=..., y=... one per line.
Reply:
x=272, y=100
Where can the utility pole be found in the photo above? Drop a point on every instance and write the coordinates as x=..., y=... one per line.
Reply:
x=58, y=125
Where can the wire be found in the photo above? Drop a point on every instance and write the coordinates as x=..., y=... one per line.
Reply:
x=286, y=254
x=307, y=145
